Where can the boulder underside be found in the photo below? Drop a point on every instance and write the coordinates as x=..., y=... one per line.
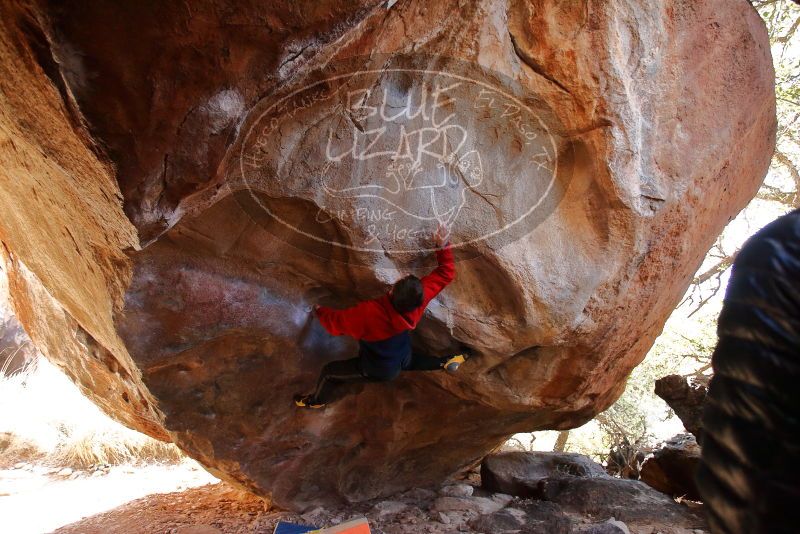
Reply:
x=182, y=182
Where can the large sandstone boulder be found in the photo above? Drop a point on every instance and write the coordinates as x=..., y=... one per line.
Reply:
x=180, y=182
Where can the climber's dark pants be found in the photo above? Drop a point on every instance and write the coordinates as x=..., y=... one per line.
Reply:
x=337, y=372
x=352, y=370
x=423, y=362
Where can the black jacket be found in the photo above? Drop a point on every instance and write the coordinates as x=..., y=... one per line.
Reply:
x=749, y=475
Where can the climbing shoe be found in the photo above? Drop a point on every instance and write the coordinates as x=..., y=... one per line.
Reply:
x=455, y=362
x=305, y=401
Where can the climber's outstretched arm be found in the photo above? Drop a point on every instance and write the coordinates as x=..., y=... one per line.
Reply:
x=445, y=273
x=347, y=322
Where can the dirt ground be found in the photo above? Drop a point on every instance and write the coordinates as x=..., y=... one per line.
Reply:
x=185, y=499
x=153, y=499
x=217, y=506
x=36, y=499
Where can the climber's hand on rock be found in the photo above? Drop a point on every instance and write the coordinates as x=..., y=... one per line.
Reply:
x=440, y=237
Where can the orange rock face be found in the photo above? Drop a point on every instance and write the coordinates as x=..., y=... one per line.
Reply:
x=181, y=183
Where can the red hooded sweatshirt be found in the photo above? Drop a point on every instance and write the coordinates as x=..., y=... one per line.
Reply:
x=376, y=320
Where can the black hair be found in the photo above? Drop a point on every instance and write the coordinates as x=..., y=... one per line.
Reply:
x=407, y=294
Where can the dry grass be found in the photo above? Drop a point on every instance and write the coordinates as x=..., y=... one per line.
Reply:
x=114, y=448
x=45, y=419
x=14, y=449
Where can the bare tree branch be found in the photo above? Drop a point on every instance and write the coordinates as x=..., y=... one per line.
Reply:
x=561, y=441
x=774, y=194
x=699, y=374
x=696, y=298
x=793, y=171
x=717, y=269
x=783, y=39
x=762, y=3
x=714, y=291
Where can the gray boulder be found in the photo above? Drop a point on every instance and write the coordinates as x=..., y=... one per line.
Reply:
x=519, y=473
x=630, y=501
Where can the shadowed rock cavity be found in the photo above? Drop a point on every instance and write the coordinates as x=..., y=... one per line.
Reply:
x=181, y=182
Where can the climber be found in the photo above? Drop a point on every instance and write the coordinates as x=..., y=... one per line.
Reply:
x=383, y=327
